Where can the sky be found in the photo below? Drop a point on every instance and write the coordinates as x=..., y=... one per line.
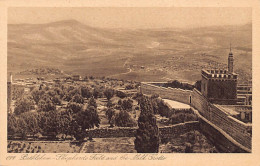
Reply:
x=135, y=17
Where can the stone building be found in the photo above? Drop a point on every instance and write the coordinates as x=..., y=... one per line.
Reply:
x=220, y=86
x=244, y=94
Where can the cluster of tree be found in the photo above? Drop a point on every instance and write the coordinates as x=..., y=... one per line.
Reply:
x=177, y=84
x=159, y=106
x=126, y=104
x=181, y=118
x=24, y=104
x=74, y=121
x=47, y=98
x=120, y=119
x=41, y=71
x=17, y=92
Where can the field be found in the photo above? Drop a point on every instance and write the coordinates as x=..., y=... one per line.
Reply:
x=137, y=54
x=42, y=147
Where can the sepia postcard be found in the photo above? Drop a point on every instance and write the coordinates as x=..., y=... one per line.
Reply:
x=129, y=83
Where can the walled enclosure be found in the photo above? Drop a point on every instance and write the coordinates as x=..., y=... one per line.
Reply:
x=214, y=114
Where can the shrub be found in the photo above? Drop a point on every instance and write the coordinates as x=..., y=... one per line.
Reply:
x=123, y=119
x=121, y=94
x=109, y=93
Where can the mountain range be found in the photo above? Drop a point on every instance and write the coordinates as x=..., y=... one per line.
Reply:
x=133, y=54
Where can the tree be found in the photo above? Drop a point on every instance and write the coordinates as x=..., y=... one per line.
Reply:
x=78, y=99
x=87, y=119
x=37, y=94
x=71, y=91
x=97, y=93
x=86, y=92
x=123, y=119
x=22, y=128
x=110, y=113
x=50, y=123
x=147, y=135
x=59, y=91
x=51, y=93
x=121, y=94
x=92, y=102
x=12, y=126
x=109, y=93
x=56, y=100
x=74, y=107
x=127, y=104
x=64, y=120
x=25, y=104
x=31, y=121
x=46, y=105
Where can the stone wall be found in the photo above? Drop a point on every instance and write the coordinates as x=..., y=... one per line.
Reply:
x=238, y=130
x=176, y=94
x=178, y=129
x=223, y=142
x=165, y=132
x=199, y=102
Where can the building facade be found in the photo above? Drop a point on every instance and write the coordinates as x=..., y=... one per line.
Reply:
x=220, y=86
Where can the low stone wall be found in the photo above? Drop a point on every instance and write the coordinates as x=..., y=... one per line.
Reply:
x=165, y=132
x=112, y=132
x=178, y=129
x=176, y=94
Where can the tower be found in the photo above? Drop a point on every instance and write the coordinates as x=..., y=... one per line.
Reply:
x=220, y=86
x=230, y=61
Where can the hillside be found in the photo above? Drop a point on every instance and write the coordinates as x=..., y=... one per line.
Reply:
x=142, y=55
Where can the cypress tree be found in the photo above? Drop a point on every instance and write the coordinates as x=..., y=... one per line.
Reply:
x=147, y=135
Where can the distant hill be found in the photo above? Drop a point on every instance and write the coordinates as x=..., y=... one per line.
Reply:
x=141, y=54
x=41, y=71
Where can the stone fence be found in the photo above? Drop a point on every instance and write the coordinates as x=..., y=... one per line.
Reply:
x=176, y=94
x=216, y=114
x=165, y=132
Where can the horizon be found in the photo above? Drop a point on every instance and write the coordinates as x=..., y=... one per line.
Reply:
x=134, y=18
x=71, y=20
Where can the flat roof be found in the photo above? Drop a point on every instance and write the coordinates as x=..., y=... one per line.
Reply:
x=176, y=104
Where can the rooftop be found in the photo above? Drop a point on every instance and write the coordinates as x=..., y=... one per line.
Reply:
x=176, y=104
x=218, y=73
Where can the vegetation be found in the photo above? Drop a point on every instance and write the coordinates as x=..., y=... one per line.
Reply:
x=109, y=93
x=24, y=104
x=182, y=117
x=126, y=104
x=110, y=113
x=147, y=136
x=124, y=119
x=177, y=84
